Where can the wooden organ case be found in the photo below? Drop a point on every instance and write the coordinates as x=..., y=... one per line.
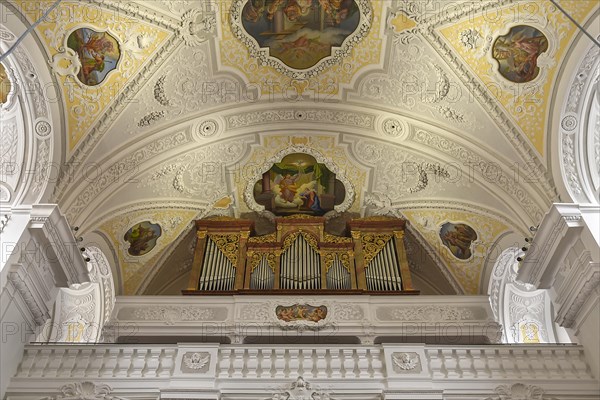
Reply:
x=300, y=256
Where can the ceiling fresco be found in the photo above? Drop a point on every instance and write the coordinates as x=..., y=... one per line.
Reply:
x=360, y=50
x=85, y=104
x=476, y=39
x=435, y=111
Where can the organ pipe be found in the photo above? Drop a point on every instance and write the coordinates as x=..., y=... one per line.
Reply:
x=299, y=255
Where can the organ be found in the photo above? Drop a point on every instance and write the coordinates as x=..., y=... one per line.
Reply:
x=299, y=257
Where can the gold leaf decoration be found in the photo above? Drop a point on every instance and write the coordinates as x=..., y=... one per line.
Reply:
x=330, y=257
x=270, y=238
x=329, y=238
x=228, y=245
x=298, y=216
x=256, y=258
x=373, y=243
x=378, y=218
x=310, y=239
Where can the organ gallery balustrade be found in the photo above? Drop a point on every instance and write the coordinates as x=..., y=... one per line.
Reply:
x=300, y=256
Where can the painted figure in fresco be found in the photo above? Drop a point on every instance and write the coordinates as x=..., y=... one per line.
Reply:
x=5, y=85
x=288, y=187
x=298, y=184
x=301, y=312
x=98, y=53
x=518, y=52
x=458, y=238
x=312, y=200
x=142, y=238
x=300, y=32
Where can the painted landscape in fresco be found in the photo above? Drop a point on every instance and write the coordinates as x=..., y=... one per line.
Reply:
x=299, y=185
x=300, y=33
x=518, y=52
x=458, y=238
x=98, y=53
x=142, y=238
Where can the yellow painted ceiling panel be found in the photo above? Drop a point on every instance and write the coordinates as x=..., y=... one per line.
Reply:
x=138, y=41
x=467, y=272
x=527, y=103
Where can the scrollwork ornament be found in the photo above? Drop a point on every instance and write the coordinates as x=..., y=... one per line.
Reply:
x=228, y=245
x=373, y=244
x=270, y=238
x=66, y=63
x=310, y=239
x=329, y=238
x=83, y=390
x=470, y=38
x=518, y=391
x=197, y=27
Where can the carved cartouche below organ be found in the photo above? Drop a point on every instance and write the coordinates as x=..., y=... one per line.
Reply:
x=299, y=256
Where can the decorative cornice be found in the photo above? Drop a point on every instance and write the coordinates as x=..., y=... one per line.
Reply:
x=40, y=314
x=119, y=170
x=356, y=119
x=513, y=188
x=553, y=229
x=568, y=318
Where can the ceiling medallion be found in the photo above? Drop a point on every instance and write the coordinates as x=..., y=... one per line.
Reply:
x=298, y=184
x=89, y=55
x=98, y=53
x=517, y=53
x=458, y=238
x=142, y=237
x=300, y=38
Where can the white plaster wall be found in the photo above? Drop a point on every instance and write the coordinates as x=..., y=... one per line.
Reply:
x=589, y=335
x=15, y=333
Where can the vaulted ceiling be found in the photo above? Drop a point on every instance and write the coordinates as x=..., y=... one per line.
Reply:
x=414, y=112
